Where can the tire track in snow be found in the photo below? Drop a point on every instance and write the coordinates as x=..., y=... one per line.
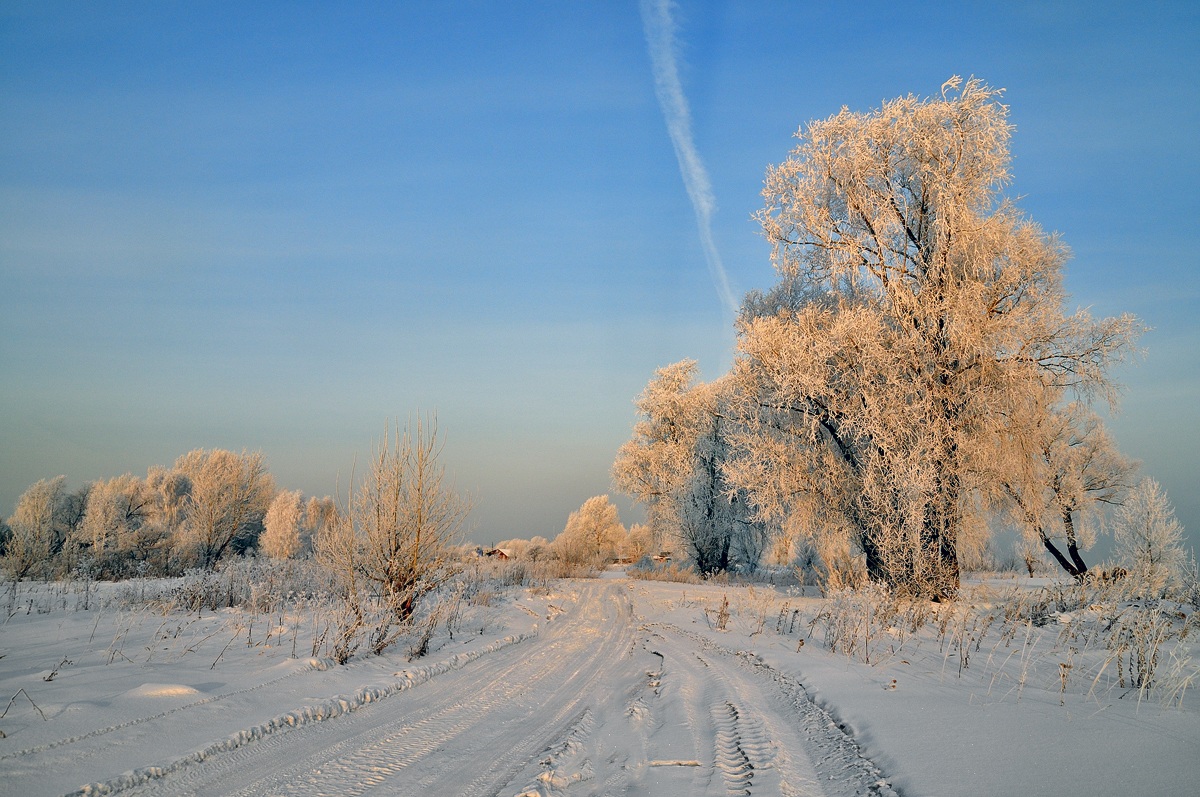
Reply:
x=730, y=757
x=556, y=774
x=813, y=754
x=581, y=687
x=679, y=687
x=424, y=743
x=736, y=756
x=740, y=748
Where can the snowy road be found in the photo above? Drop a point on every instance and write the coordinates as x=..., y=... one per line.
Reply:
x=600, y=702
x=571, y=687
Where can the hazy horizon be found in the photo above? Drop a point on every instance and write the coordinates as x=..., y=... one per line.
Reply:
x=280, y=228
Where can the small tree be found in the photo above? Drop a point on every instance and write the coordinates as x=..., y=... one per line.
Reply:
x=117, y=527
x=281, y=526
x=593, y=534
x=169, y=491
x=34, y=528
x=1073, y=468
x=68, y=523
x=639, y=542
x=337, y=548
x=115, y=507
x=676, y=464
x=318, y=513
x=1149, y=538
x=539, y=549
x=407, y=518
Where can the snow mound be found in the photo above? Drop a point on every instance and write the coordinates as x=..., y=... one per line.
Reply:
x=162, y=690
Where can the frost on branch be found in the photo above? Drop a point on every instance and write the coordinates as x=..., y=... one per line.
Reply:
x=675, y=464
x=914, y=369
x=1150, y=539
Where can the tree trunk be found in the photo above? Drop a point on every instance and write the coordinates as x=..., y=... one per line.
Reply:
x=1073, y=545
x=1058, y=556
x=939, y=537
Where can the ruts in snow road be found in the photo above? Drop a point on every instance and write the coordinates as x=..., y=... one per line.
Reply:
x=597, y=704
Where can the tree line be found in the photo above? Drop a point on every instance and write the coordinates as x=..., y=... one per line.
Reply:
x=593, y=538
x=208, y=505
x=213, y=504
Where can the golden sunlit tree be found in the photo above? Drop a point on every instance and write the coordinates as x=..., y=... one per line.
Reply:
x=918, y=314
x=282, y=526
x=593, y=535
x=399, y=534
x=228, y=495
x=34, y=527
x=1058, y=475
x=675, y=465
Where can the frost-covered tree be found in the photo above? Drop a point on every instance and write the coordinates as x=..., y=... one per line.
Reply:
x=1149, y=539
x=228, y=496
x=71, y=513
x=639, y=542
x=133, y=525
x=1054, y=487
x=281, y=526
x=404, y=520
x=922, y=312
x=318, y=513
x=337, y=548
x=675, y=463
x=593, y=535
x=169, y=490
x=657, y=461
x=116, y=508
x=44, y=525
x=34, y=527
x=539, y=548
x=118, y=528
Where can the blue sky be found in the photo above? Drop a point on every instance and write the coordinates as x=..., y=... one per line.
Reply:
x=278, y=228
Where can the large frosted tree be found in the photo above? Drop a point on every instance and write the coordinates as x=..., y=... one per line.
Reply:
x=919, y=313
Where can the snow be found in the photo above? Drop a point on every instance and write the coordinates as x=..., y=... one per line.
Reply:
x=161, y=690
x=608, y=685
x=933, y=731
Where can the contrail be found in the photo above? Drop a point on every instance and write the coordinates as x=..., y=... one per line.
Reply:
x=660, y=40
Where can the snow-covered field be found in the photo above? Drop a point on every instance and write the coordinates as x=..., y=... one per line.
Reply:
x=596, y=686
